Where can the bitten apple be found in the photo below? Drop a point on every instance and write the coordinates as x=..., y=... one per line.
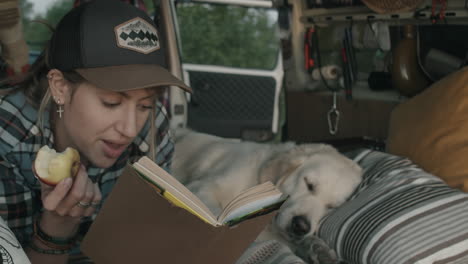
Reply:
x=51, y=167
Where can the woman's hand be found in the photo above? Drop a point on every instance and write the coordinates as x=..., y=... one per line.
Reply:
x=69, y=201
x=65, y=204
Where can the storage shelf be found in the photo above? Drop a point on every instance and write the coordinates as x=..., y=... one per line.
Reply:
x=361, y=13
x=361, y=91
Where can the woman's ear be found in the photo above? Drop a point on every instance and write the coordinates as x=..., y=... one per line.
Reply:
x=59, y=86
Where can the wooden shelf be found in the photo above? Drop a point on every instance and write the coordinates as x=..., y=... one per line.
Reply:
x=324, y=16
x=307, y=117
x=361, y=91
x=335, y=11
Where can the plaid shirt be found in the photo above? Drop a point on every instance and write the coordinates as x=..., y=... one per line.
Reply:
x=20, y=139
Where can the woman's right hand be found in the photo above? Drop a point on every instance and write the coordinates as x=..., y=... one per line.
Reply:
x=67, y=202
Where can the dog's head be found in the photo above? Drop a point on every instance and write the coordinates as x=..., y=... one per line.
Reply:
x=316, y=177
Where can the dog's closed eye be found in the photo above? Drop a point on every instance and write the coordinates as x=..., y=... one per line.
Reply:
x=310, y=186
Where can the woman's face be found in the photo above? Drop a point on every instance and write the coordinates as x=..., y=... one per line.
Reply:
x=102, y=123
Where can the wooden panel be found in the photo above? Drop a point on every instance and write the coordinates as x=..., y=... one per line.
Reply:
x=307, y=117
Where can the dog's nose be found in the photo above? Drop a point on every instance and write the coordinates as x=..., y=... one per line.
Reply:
x=300, y=225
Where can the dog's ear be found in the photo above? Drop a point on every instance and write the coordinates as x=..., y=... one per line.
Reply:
x=284, y=163
x=279, y=167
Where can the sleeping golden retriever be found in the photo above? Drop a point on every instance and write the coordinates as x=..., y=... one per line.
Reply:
x=315, y=176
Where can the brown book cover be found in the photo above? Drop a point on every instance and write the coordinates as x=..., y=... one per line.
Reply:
x=137, y=225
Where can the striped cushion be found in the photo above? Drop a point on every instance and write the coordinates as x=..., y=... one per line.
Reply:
x=399, y=214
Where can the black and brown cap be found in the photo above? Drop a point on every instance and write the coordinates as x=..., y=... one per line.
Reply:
x=113, y=45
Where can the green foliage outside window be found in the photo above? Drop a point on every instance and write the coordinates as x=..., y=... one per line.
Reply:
x=231, y=36
x=36, y=33
x=210, y=34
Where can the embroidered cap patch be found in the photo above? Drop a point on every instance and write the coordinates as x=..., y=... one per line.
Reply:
x=137, y=35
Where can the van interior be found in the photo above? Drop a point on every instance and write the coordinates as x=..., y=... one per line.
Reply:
x=294, y=70
x=383, y=75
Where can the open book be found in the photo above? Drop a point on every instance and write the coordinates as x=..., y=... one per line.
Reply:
x=151, y=217
x=260, y=199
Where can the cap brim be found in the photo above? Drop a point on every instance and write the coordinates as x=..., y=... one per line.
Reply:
x=130, y=77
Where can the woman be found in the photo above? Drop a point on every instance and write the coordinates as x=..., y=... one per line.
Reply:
x=94, y=89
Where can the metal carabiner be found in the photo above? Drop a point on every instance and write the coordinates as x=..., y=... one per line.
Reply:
x=333, y=117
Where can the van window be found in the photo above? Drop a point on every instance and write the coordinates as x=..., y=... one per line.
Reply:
x=37, y=15
x=228, y=35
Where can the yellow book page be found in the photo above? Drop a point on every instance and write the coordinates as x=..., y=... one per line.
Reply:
x=180, y=204
x=157, y=174
x=166, y=189
x=174, y=200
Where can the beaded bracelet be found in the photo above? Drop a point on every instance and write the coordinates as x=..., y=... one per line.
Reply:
x=48, y=251
x=54, y=246
x=52, y=242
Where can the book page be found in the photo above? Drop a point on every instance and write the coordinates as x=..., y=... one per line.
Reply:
x=166, y=194
x=251, y=200
x=249, y=195
x=252, y=190
x=252, y=206
x=232, y=221
x=160, y=177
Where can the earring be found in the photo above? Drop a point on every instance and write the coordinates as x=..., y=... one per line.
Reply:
x=49, y=77
x=60, y=109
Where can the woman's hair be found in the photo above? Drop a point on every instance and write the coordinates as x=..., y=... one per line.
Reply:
x=35, y=86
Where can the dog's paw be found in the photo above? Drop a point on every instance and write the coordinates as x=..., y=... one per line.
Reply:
x=315, y=251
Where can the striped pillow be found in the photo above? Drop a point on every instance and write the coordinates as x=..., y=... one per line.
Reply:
x=399, y=214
